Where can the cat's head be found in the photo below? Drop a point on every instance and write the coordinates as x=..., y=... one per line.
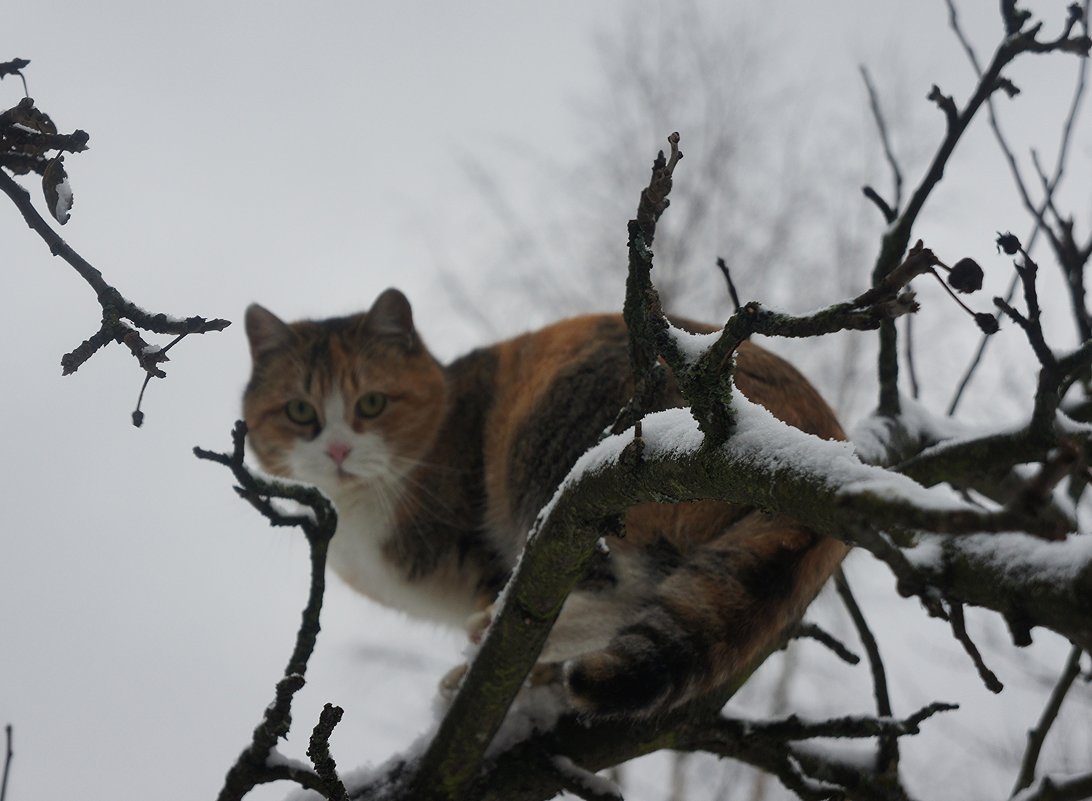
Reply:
x=345, y=401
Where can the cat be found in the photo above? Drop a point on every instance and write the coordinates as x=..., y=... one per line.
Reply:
x=438, y=472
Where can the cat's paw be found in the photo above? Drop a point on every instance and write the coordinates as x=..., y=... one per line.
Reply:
x=604, y=684
x=477, y=624
x=451, y=680
x=544, y=673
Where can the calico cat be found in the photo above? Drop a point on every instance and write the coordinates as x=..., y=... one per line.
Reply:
x=438, y=472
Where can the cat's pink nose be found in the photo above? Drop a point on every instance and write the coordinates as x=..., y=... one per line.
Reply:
x=338, y=451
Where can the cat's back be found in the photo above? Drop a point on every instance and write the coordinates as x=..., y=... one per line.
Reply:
x=555, y=390
x=552, y=393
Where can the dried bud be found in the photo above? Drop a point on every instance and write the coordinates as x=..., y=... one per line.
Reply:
x=1008, y=243
x=987, y=322
x=965, y=276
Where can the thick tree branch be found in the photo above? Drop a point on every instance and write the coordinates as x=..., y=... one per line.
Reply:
x=528, y=771
x=1030, y=582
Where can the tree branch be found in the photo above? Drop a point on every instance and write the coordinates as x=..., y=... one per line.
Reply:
x=887, y=757
x=253, y=765
x=116, y=309
x=8, y=754
x=1074, y=274
x=813, y=632
x=318, y=749
x=898, y=234
x=1058, y=788
x=892, y=211
x=959, y=630
x=1037, y=735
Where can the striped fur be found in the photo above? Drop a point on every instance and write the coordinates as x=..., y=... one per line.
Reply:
x=436, y=493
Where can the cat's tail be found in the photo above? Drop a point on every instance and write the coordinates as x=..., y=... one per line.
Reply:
x=732, y=599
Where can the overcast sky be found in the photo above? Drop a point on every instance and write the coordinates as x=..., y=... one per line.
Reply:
x=307, y=156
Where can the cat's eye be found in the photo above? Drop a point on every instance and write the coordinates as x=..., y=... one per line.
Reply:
x=371, y=404
x=300, y=411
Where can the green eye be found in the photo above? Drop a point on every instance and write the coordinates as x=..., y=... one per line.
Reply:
x=300, y=411
x=371, y=404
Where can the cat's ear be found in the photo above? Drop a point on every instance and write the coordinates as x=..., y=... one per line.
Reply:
x=265, y=330
x=391, y=315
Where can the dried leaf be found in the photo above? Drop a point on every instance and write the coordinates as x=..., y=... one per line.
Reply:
x=12, y=67
x=58, y=192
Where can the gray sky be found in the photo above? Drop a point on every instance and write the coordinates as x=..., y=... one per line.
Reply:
x=306, y=156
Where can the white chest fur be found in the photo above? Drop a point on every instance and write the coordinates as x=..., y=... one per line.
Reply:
x=357, y=556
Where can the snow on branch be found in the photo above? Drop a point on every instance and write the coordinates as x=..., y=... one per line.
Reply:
x=940, y=545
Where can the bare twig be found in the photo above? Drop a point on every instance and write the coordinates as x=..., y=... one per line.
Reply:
x=915, y=388
x=1037, y=736
x=887, y=757
x=1032, y=323
x=116, y=309
x=771, y=746
x=723, y=267
x=889, y=212
x=642, y=311
x=813, y=632
x=793, y=728
x=976, y=360
x=252, y=767
x=959, y=630
x=318, y=750
x=7, y=761
x=898, y=234
x=1036, y=210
